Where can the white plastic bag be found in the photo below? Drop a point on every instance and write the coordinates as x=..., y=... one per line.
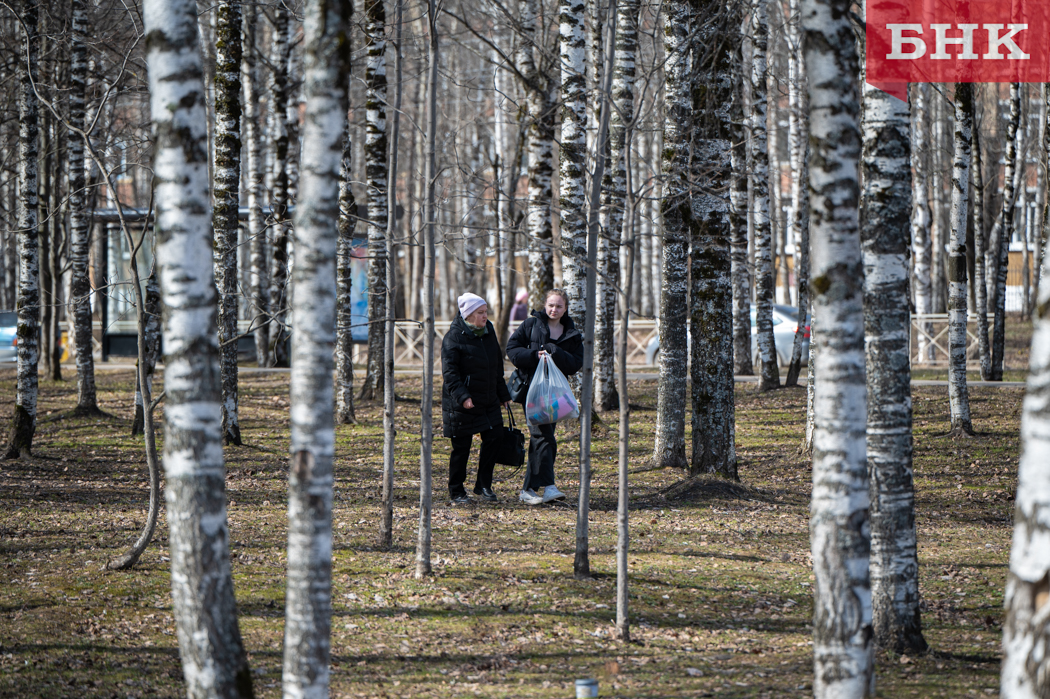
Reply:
x=549, y=398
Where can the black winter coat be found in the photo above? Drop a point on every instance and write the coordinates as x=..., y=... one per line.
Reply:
x=472, y=367
x=534, y=334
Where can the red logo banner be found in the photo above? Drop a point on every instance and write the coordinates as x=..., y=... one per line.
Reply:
x=948, y=41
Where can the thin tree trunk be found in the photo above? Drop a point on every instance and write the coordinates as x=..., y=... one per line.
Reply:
x=226, y=194
x=886, y=211
x=980, y=243
x=573, y=155
x=711, y=320
x=958, y=395
x=151, y=342
x=79, y=222
x=376, y=182
x=669, y=448
x=426, y=402
x=938, y=282
x=308, y=605
x=839, y=539
x=798, y=139
x=23, y=423
x=386, y=527
x=613, y=196
x=581, y=565
x=922, y=249
x=205, y=611
x=999, y=327
x=1025, y=665
x=253, y=131
x=738, y=218
x=764, y=275
x=344, y=279
x=623, y=624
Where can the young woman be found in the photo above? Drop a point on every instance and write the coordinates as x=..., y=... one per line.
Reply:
x=472, y=395
x=549, y=331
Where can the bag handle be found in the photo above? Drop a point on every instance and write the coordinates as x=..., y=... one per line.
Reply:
x=510, y=415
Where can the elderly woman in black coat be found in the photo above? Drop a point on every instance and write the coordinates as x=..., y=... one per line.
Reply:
x=549, y=331
x=474, y=391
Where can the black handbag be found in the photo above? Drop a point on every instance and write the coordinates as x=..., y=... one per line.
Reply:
x=518, y=386
x=511, y=451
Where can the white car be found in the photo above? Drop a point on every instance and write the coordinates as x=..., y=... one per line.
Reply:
x=785, y=323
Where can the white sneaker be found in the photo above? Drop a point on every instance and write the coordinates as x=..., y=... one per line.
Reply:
x=551, y=492
x=529, y=497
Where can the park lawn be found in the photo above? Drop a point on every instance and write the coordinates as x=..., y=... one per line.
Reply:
x=720, y=577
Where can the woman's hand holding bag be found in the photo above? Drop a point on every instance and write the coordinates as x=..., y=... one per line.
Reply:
x=550, y=398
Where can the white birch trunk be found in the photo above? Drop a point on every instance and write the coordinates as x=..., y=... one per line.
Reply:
x=376, y=182
x=1026, y=632
x=669, y=448
x=980, y=244
x=614, y=196
x=738, y=228
x=259, y=278
x=308, y=606
x=939, y=117
x=279, y=91
x=764, y=276
x=886, y=211
x=213, y=658
x=573, y=154
x=958, y=395
x=839, y=538
x=1007, y=217
x=23, y=425
x=920, y=218
x=226, y=195
x=798, y=223
x=344, y=278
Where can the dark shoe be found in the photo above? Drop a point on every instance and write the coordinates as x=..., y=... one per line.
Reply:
x=461, y=499
x=487, y=494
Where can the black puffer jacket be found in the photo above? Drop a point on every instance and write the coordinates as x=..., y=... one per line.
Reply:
x=534, y=334
x=472, y=367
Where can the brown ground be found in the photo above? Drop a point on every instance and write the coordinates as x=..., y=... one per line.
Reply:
x=720, y=581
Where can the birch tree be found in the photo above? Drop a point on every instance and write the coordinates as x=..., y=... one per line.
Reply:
x=278, y=137
x=426, y=402
x=711, y=320
x=958, y=395
x=79, y=223
x=540, y=157
x=738, y=202
x=344, y=279
x=253, y=131
x=980, y=244
x=839, y=538
x=669, y=448
x=23, y=423
x=213, y=657
x=572, y=171
x=614, y=195
x=798, y=221
x=922, y=291
x=226, y=194
x=376, y=189
x=1003, y=252
x=886, y=211
x=308, y=606
x=764, y=276
x=1025, y=671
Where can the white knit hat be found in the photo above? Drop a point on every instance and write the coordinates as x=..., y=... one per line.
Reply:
x=468, y=303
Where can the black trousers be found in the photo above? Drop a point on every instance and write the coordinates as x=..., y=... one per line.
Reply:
x=457, y=461
x=543, y=450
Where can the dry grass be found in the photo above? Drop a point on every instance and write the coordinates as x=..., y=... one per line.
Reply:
x=720, y=579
